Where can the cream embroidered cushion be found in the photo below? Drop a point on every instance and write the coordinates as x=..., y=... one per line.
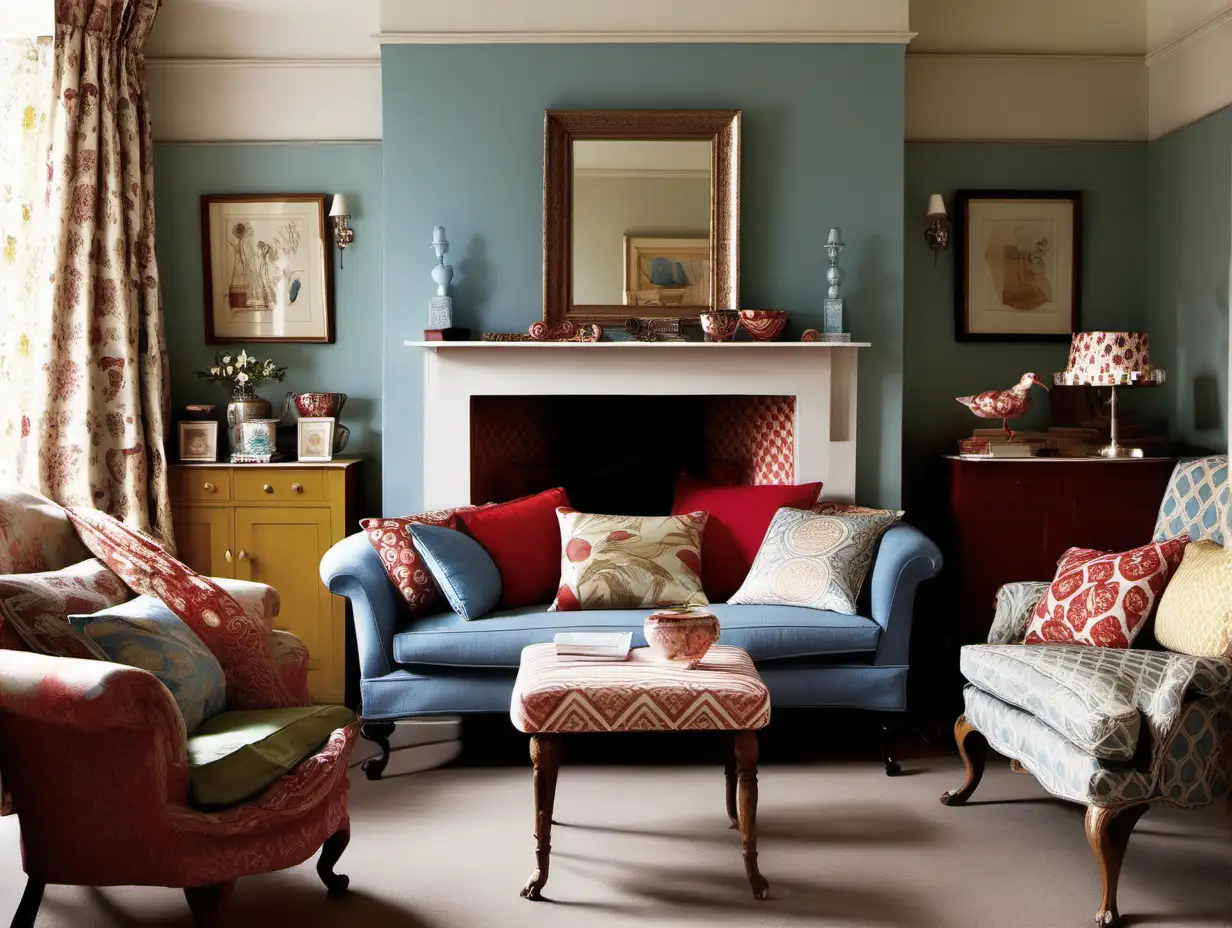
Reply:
x=629, y=562
x=815, y=560
x=1195, y=613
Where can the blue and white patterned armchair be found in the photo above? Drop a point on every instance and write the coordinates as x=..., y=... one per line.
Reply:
x=1116, y=730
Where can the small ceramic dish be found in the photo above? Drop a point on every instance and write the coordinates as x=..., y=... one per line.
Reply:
x=681, y=635
x=199, y=410
x=764, y=324
x=720, y=325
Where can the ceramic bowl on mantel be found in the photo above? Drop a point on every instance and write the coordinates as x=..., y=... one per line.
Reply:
x=681, y=635
x=720, y=325
x=765, y=325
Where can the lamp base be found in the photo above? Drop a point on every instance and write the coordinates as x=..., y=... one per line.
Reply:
x=1120, y=451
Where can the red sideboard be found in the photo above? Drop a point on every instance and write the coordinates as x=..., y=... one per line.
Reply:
x=1012, y=520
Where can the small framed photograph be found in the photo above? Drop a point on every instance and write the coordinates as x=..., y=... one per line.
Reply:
x=199, y=442
x=267, y=268
x=316, y=438
x=1019, y=264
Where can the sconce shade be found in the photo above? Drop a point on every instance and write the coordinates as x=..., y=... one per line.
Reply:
x=340, y=206
x=936, y=205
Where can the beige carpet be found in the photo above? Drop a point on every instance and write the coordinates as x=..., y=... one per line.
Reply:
x=841, y=844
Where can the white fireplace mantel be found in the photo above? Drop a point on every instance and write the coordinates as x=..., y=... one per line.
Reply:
x=820, y=375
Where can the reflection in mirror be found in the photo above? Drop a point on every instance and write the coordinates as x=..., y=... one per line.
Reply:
x=641, y=223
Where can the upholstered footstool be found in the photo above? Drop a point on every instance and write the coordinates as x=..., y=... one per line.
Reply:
x=724, y=693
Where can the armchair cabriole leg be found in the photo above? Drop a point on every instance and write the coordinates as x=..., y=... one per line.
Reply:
x=28, y=908
x=378, y=733
x=208, y=903
x=973, y=749
x=1108, y=831
x=331, y=850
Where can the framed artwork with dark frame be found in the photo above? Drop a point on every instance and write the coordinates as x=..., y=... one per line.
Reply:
x=267, y=268
x=1019, y=265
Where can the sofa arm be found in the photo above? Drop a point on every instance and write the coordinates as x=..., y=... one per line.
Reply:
x=1014, y=605
x=906, y=558
x=258, y=599
x=353, y=569
x=291, y=659
x=82, y=740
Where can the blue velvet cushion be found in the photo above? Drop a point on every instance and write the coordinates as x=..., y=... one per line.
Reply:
x=463, y=570
x=145, y=633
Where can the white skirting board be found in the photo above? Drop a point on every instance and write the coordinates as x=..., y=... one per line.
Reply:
x=415, y=745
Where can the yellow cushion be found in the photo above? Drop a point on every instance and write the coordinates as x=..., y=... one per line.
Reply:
x=1195, y=613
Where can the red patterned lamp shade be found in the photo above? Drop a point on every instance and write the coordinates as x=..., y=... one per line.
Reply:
x=1109, y=359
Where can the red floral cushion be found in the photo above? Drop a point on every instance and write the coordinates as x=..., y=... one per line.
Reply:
x=239, y=640
x=523, y=538
x=406, y=568
x=739, y=518
x=1103, y=599
x=34, y=608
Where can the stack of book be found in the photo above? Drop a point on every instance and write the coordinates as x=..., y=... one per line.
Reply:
x=993, y=443
x=593, y=646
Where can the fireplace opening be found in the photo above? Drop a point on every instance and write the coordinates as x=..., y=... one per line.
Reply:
x=623, y=453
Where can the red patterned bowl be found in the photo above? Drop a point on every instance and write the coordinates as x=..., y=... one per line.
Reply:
x=681, y=635
x=720, y=325
x=764, y=324
x=319, y=404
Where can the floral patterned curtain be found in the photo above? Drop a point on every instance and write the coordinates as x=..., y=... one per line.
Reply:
x=83, y=358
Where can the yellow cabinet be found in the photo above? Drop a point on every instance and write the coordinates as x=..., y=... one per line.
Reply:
x=272, y=524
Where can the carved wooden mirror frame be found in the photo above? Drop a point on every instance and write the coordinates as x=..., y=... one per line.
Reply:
x=561, y=128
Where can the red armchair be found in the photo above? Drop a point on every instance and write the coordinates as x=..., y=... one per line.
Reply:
x=95, y=757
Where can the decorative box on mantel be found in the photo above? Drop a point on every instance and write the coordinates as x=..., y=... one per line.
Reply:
x=758, y=412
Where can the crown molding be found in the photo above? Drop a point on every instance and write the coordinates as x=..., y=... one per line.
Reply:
x=316, y=64
x=1210, y=24
x=730, y=37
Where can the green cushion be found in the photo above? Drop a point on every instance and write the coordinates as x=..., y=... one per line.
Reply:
x=235, y=755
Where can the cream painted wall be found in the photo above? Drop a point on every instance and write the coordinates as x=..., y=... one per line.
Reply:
x=265, y=29
x=1169, y=20
x=608, y=208
x=1193, y=77
x=1099, y=27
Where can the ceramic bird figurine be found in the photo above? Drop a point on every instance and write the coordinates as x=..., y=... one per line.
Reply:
x=1004, y=404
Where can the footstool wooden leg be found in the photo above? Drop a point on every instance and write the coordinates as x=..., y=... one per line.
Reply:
x=729, y=771
x=545, y=755
x=746, y=777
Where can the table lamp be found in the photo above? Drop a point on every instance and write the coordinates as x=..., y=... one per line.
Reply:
x=1111, y=359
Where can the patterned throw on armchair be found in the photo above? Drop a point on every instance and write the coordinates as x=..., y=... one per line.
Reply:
x=105, y=780
x=1115, y=729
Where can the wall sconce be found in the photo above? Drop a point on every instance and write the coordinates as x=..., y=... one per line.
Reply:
x=937, y=234
x=340, y=212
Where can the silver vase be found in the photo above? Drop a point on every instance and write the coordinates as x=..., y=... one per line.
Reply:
x=245, y=405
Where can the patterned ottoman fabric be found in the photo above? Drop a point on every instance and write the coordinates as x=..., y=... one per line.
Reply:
x=722, y=693
x=1196, y=503
x=1096, y=698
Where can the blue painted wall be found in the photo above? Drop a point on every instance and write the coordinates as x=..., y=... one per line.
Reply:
x=1115, y=286
x=823, y=146
x=1189, y=250
x=182, y=173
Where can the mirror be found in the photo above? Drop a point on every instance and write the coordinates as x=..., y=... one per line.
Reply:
x=641, y=214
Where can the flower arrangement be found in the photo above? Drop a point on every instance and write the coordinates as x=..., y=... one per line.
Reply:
x=242, y=372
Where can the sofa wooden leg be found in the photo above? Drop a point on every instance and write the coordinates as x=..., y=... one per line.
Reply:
x=889, y=735
x=28, y=908
x=1108, y=831
x=331, y=850
x=208, y=903
x=378, y=733
x=974, y=751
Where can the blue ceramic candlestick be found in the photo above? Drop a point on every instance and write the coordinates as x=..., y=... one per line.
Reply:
x=834, y=304
x=440, y=307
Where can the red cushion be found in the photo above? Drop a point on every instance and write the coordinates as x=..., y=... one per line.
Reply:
x=523, y=538
x=739, y=517
x=407, y=571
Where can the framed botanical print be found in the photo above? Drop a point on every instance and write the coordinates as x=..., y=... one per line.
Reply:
x=1019, y=264
x=267, y=268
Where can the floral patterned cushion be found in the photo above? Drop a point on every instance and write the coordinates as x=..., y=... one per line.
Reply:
x=36, y=607
x=239, y=639
x=1096, y=698
x=814, y=560
x=406, y=568
x=629, y=562
x=1196, y=503
x=1103, y=599
x=35, y=534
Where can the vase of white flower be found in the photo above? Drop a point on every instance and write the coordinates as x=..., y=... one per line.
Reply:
x=243, y=374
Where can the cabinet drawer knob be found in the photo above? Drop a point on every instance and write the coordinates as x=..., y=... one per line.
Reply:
x=226, y=555
x=297, y=488
x=268, y=488
x=243, y=555
x=209, y=487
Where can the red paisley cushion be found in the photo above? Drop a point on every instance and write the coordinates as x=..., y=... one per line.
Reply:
x=406, y=568
x=239, y=640
x=1103, y=599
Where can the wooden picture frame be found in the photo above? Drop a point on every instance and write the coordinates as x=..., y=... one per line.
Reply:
x=561, y=128
x=1018, y=273
x=267, y=268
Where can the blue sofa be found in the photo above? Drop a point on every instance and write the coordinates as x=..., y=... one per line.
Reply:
x=442, y=664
